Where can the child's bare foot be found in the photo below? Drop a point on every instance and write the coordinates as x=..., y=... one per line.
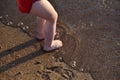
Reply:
x=55, y=45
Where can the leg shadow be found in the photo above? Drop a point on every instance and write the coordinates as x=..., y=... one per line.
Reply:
x=20, y=60
x=17, y=48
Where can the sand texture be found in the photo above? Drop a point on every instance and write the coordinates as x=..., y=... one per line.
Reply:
x=89, y=29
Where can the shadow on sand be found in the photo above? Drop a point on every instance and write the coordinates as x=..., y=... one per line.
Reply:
x=22, y=59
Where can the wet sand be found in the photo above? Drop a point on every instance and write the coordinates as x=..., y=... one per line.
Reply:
x=89, y=29
x=21, y=58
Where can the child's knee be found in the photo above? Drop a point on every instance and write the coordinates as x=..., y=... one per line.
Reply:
x=53, y=17
x=56, y=15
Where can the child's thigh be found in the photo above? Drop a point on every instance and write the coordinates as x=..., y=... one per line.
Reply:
x=43, y=9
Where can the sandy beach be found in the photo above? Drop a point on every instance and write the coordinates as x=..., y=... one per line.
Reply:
x=21, y=58
x=90, y=31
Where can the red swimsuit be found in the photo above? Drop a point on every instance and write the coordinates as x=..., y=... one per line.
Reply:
x=25, y=5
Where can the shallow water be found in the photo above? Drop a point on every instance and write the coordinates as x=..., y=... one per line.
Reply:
x=89, y=29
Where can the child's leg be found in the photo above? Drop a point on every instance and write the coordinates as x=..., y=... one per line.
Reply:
x=45, y=10
x=40, y=27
